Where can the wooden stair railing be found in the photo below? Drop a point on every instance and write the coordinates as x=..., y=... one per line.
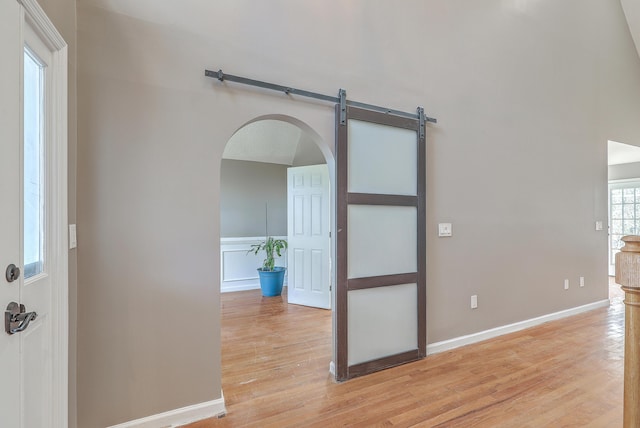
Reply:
x=628, y=276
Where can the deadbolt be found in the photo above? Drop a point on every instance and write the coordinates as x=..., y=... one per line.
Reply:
x=13, y=273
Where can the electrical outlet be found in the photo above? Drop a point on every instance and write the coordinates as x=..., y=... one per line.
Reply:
x=474, y=301
x=582, y=281
x=566, y=284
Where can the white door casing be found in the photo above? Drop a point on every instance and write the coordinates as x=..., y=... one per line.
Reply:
x=34, y=362
x=308, y=230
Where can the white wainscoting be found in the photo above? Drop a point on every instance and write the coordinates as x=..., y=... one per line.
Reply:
x=238, y=268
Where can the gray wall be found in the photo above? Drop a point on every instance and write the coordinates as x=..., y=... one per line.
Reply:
x=245, y=188
x=624, y=171
x=526, y=94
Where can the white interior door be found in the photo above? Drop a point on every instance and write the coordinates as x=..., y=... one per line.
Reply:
x=308, y=230
x=381, y=242
x=33, y=217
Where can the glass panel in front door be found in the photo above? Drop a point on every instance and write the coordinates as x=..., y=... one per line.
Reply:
x=33, y=210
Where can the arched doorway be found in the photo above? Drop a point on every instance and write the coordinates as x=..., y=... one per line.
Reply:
x=254, y=202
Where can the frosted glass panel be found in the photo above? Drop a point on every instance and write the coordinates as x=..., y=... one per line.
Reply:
x=382, y=159
x=383, y=321
x=382, y=240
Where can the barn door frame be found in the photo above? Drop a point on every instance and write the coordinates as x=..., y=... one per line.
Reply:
x=344, y=198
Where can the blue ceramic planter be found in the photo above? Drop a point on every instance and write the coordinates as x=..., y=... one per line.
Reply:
x=271, y=281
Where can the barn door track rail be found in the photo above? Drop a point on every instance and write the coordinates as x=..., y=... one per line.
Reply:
x=340, y=99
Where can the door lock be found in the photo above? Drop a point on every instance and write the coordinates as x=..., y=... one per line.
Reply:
x=16, y=319
x=12, y=273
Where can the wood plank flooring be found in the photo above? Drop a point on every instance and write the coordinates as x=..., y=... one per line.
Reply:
x=275, y=362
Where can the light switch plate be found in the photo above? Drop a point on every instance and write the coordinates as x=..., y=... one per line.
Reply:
x=73, y=243
x=598, y=225
x=444, y=229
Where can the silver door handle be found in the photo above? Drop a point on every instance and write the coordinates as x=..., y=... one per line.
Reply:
x=16, y=319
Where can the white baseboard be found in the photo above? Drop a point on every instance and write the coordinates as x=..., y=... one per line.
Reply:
x=457, y=342
x=244, y=287
x=179, y=417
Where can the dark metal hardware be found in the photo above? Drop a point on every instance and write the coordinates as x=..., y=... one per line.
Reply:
x=342, y=97
x=16, y=319
x=421, y=121
x=293, y=91
x=12, y=273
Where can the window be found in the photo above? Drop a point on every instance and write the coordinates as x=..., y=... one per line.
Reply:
x=33, y=209
x=624, y=214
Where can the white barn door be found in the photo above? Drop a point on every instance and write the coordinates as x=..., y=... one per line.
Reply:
x=33, y=217
x=381, y=257
x=308, y=231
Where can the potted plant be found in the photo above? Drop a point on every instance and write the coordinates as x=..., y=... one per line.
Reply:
x=271, y=276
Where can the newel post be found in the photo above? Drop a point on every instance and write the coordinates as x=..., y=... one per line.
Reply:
x=628, y=275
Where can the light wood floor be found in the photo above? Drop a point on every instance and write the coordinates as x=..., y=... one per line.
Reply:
x=275, y=361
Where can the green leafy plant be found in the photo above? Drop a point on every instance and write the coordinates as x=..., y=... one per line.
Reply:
x=270, y=246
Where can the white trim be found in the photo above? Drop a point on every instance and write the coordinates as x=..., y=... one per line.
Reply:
x=43, y=24
x=245, y=239
x=457, y=342
x=178, y=417
x=60, y=300
x=623, y=181
x=58, y=199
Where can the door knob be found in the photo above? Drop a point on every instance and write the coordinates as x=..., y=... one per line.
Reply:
x=16, y=319
x=12, y=273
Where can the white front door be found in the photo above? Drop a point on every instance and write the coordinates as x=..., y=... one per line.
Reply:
x=308, y=230
x=33, y=215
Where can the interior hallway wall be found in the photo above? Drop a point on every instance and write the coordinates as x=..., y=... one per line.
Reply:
x=526, y=95
x=245, y=189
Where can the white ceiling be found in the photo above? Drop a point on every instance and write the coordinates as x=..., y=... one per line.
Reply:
x=270, y=141
x=623, y=153
x=273, y=141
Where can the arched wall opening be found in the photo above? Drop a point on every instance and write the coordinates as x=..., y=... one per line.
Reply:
x=253, y=196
